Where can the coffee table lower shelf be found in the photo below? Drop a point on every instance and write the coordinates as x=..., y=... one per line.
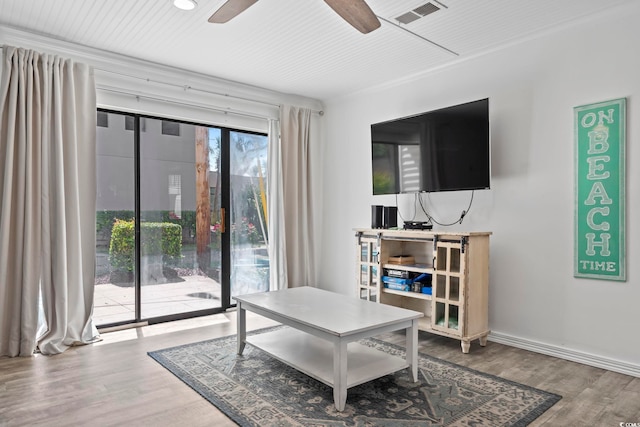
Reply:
x=314, y=356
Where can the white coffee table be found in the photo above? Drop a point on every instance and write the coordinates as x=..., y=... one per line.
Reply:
x=322, y=324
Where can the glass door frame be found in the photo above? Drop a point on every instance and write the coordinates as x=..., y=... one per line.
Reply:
x=225, y=205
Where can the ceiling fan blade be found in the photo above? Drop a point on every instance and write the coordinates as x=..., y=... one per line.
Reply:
x=357, y=13
x=230, y=10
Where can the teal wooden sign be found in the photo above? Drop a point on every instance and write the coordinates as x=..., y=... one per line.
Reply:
x=600, y=190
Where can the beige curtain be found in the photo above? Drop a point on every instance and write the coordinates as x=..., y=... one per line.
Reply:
x=48, y=192
x=297, y=195
x=275, y=208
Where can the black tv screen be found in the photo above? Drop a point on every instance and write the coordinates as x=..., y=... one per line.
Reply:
x=440, y=150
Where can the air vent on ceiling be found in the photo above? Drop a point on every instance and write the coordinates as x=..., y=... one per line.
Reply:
x=407, y=18
x=417, y=13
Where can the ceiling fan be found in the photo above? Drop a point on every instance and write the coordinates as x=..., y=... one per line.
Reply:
x=355, y=12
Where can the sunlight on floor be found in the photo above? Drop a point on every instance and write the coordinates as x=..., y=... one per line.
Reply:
x=161, y=328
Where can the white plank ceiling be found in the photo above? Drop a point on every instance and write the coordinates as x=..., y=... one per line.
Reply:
x=300, y=47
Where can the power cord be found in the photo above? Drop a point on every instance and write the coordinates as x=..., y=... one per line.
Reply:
x=415, y=209
x=458, y=221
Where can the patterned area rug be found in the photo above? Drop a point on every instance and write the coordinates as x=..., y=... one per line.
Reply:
x=258, y=390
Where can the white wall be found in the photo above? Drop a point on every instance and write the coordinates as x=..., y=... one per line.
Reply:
x=532, y=86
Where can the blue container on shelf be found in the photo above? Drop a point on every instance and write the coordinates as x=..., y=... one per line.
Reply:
x=397, y=287
x=388, y=279
x=427, y=290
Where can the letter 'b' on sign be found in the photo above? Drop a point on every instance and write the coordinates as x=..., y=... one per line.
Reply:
x=599, y=229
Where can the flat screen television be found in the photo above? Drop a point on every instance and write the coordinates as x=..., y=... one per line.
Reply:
x=440, y=150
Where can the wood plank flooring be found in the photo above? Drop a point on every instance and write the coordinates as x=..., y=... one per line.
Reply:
x=115, y=383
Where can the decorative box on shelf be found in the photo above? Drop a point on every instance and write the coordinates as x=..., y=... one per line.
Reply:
x=402, y=260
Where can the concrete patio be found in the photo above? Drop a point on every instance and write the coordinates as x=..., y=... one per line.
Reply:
x=116, y=302
x=191, y=290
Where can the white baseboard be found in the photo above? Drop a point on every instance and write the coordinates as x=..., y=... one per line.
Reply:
x=567, y=354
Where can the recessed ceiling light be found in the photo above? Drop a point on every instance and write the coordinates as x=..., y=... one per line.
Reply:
x=185, y=4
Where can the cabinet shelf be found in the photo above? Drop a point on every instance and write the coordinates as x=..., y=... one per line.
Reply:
x=415, y=268
x=407, y=294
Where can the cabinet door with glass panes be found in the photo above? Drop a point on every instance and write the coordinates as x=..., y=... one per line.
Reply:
x=448, y=289
x=367, y=267
x=460, y=289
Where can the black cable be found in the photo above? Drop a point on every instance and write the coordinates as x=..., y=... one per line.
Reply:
x=414, y=209
x=458, y=221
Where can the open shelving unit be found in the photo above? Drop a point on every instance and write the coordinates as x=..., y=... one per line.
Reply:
x=459, y=267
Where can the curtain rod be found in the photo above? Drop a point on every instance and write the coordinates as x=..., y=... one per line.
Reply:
x=184, y=104
x=188, y=87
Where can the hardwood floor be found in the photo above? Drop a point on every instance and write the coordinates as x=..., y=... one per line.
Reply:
x=115, y=383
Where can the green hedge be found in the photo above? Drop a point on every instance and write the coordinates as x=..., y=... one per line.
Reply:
x=158, y=238
x=106, y=219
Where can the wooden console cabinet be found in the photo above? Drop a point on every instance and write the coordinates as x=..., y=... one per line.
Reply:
x=459, y=267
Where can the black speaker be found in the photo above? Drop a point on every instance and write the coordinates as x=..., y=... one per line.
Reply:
x=376, y=216
x=390, y=217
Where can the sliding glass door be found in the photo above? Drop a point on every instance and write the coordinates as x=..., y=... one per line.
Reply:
x=181, y=218
x=175, y=220
x=249, y=256
x=115, y=295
